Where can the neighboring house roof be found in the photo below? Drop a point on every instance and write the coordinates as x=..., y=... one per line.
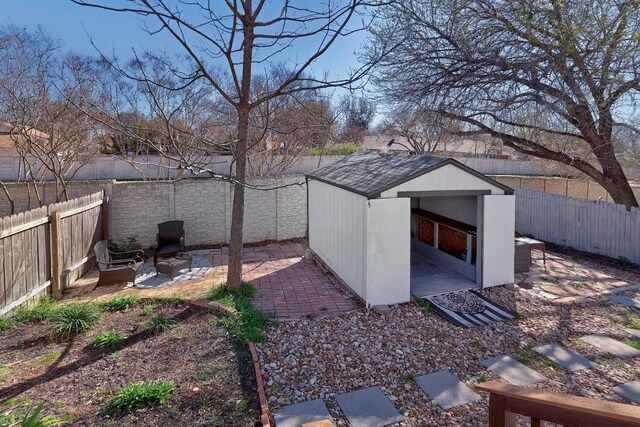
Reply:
x=7, y=143
x=371, y=173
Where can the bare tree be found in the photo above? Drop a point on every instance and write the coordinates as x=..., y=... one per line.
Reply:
x=227, y=43
x=50, y=135
x=424, y=131
x=550, y=79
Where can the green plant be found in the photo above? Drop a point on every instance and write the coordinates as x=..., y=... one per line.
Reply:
x=148, y=308
x=107, y=339
x=74, y=318
x=6, y=324
x=624, y=262
x=143, y=393
x=248, y=323
x=409, y=378
x=482, y=377
x=165, y=300
x=426, y=305
x=159, y=324
x=125, y=246
x=30, y=418
x=43, y=310
x=634, y=344
x=120, y=303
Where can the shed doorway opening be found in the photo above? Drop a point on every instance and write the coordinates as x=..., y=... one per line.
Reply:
x=444, y=244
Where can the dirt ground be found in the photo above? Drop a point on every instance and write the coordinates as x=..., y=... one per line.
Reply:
x=212, y=371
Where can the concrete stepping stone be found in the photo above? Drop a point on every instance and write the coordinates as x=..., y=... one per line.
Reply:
x=368, y=407
x=630, y=391
x=634, y=332
x=513, y=371
x=446, y=389
x=610, y=345
x=565, y=357
x=302, y=413
x=629, y=302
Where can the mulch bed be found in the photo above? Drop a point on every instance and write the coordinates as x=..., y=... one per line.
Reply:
x=212, y=371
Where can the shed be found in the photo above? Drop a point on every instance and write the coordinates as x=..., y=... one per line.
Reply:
x=389, y=225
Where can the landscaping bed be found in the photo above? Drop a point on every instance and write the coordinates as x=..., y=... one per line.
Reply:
x=181, y=364
x=321, y=358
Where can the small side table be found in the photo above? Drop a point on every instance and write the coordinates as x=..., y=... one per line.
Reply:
x=173, y=265
x=535, y=244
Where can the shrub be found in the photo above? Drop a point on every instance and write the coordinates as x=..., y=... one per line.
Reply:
x=74, y=318
x=624, y=262
x=247, y=325
x=159, y=324
x=121, y=303
x=43, y=310
x=107, y=339
x=335, y=149
x=143, y=393
x=128, y=244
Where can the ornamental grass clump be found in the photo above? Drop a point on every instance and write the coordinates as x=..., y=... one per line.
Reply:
x=73, y=318
x=138, y=394
x=107, y=339
x=120, y=303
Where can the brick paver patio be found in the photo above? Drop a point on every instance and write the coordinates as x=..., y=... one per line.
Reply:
x=286, y=284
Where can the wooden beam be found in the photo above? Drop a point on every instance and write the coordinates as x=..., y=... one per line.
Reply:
x=105, y=218
x=523, y=396
x=56, y=250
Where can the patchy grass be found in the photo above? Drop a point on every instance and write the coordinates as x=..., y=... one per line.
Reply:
x=73, y=318
x=634, y=344
x=120, y=303
x=482, y=377
x=46, y=359
x=247, y=325
x=138, y=394
x=165, y=300
x=424, y=304
x=107, y=339
x=148, y=308
x=217, y=371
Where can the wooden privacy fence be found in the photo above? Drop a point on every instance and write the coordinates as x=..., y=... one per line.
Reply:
x=47, y=249
x=591, y=226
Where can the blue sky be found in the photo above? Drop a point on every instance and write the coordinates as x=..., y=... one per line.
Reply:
x=119, y=32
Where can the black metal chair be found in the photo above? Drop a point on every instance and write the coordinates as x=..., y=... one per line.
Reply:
x=170, y=240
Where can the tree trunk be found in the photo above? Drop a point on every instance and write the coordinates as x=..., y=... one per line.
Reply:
x=234, y=273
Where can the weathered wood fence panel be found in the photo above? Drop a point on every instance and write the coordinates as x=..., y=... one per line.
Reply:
x=587, y=225
x=46, y=249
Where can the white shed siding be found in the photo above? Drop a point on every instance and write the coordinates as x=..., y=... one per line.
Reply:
x=445, y=178
x=337, y=222
x=497, y=231
x=388, y=251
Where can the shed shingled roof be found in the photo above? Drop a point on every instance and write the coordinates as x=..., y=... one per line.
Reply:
x=371, y=173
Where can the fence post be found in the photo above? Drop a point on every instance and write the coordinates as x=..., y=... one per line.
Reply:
x=105, y=218
x=56, y=265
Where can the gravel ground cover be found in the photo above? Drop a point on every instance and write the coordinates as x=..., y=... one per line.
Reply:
x=569, y=273
x=320, y=358
x=212, y=372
